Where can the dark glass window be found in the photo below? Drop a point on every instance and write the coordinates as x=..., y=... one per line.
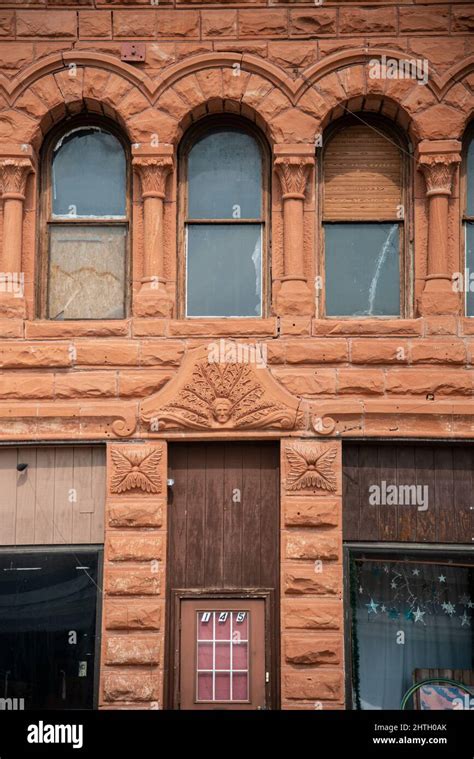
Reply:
x=48, y=628
x=224, y=224
x=87, y=225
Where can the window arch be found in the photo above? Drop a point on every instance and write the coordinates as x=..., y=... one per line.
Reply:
x=468, y=220
x=364, y=202
x=223, y=220
x=85, y=223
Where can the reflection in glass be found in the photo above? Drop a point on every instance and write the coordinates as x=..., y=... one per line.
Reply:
x=429, y=603
x=43, y=597
x=362, y=269
x=224, y=270
x=88, y=175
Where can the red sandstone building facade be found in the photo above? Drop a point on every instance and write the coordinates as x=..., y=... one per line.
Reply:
x=237, y=345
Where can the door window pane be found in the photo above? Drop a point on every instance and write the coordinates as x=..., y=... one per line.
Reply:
x=43, y=598
x=362, y=269
x=224, y=270
x=222, y=663
x=88, y=175
x=431, y=604
x=87, y=271
x=225, y=177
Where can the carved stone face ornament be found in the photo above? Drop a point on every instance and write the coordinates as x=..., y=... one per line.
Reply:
x=221, y=410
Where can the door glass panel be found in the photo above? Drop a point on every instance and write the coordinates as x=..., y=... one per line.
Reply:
x=48, y=608
x=224, y=662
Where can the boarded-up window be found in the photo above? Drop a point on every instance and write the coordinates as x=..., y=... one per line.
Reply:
x=87, y=225
x=52, y=495
x=363, y=212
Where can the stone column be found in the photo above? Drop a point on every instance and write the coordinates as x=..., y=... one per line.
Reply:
x=293, y=165
x=14, y=171
x=133, y=623
x=438, y=160
x=312, y=630
x=153, y=298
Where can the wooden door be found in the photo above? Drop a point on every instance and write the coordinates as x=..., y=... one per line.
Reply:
x=223, y=552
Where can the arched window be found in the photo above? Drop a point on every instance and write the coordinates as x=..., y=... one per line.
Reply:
x=86, y=220
x=223, y=221
x=468, y=219
x=363, y=221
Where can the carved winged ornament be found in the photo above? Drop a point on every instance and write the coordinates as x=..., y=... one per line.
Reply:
x=311, y=468
x=135, y=470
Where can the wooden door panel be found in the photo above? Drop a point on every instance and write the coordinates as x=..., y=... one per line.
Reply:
x=224, y=515
x=223, y=547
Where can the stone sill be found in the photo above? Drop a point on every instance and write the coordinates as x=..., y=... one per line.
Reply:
x=83, y=328
x=367, y=327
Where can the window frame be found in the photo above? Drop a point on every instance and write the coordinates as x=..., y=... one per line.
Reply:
x=448, y=553
x=468, y=140
x=405, y=225
x=200, y=129
x=46, y=219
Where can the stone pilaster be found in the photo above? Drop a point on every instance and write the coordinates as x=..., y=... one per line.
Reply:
x=294, y=167
x=153, y=170
x=15, y=167
x=438, y=160
x=133, y=621
x=312, y=635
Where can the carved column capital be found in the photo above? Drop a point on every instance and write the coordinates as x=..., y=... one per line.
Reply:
x=293, y=173
x=153, y=172
x=438, y=160
x=438, y=171
x=13, y=175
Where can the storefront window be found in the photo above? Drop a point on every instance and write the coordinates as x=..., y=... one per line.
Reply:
x=408, y=616
x=48, y=621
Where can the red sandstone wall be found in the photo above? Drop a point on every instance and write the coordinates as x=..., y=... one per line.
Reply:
x=362, y=377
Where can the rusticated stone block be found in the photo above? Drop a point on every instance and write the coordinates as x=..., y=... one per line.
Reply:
x=138, y=513
x=301, y=580
x=132, y=615
x=132, y=582
x=313, y=546
x=438, y=352
x=127, y=685
x=132, y=649
x=317, y=684
x=46, y=24
x=312, y=615
x=313, y=649
x=134, y=547
x=311, y=512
